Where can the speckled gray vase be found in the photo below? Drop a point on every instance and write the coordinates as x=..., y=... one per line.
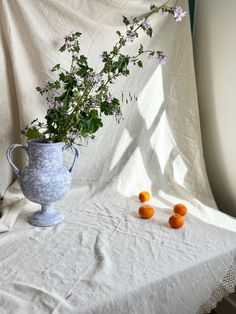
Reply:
x=45, y=180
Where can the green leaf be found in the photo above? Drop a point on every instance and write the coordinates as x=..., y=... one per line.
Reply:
x=126, y=20
x=122, y=63
x=62, y=76
x=90, y=122
x=140, y=64
x=33, y=133
x=152, y=6
x=149, y=31
x=140, y=51
x=110, y=108
x=83, y=60
x=56, y=85
x=125, y=72
x=115, y=50
x=56, y=67
x=63, y=48
x=76, y=48
x=135, y=20
x=77, y=34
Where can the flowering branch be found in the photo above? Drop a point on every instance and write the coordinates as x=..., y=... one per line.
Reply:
x=79, y=98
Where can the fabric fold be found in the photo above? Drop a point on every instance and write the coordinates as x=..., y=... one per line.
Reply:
x=103, y=258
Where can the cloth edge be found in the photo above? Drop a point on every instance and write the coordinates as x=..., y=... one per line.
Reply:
x=225, y=287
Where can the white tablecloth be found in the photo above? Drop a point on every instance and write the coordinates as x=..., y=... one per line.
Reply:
x=104, y=258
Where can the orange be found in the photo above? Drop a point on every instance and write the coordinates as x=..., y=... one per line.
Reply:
x=144, y=196
x=176, y=221
x=180, y=209
x=146, y=211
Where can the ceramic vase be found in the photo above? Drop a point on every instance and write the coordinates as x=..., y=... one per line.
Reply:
x=45, y=180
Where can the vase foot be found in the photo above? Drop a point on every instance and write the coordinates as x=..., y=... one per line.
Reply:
x=46, y=219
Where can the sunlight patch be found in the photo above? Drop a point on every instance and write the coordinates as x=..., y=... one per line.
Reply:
x=162, y=141
x=121, y=147
x=134, y=178
x=151, y=97
x=180, y=170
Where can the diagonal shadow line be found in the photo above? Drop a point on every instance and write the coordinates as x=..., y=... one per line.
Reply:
x=155, y=174
x=158, y=178
x=169, y=173
x=165, y=178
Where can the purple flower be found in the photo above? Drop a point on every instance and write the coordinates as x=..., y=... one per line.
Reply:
x=52, y=104
x=151, y=56
x=131, y=62
x=161, y=59
x=110, y=98
x=164, y=13
x=129, y=36
x=74, y=134
x=94, y=103
x=145, y=23
x=95, y=78
x=178, y=13
x=53, y=93
x=78, y=80
x=43, y=88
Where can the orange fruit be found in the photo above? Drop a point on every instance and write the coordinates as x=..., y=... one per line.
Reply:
x=180, y=209
x=146, y=211
x=176, y=221
x=144, y=196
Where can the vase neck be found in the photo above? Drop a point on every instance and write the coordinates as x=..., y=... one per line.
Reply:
x=43, y=155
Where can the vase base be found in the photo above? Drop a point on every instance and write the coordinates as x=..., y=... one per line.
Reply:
x=46, y=219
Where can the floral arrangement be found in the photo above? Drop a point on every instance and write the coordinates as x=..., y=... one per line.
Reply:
x=79, y=97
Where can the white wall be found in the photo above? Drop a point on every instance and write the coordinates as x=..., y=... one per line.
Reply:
x=215, y=63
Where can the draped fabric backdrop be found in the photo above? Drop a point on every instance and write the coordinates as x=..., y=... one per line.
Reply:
x=156, y=148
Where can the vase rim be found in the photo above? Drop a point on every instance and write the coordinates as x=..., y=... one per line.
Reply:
x=43, y=142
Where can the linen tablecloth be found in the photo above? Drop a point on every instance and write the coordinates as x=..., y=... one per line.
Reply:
x=103, y=258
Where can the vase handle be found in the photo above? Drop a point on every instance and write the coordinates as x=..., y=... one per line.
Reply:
x=76, y=154
x=9, y=156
